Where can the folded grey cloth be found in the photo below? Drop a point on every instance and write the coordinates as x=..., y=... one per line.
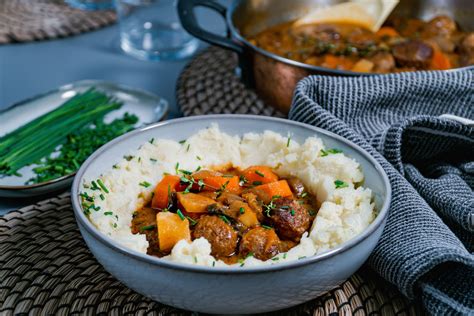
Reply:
x=426, y=247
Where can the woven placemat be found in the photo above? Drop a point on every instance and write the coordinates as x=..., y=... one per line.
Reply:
x=33, y=20
x=46, y=268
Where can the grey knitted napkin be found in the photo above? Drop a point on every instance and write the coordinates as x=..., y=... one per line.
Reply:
x=426, y=248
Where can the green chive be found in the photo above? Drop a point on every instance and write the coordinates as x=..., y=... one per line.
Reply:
x=115, y=166
x=101, y=184
x=180, y=214
x=195, y=259
x=115, y=225
x=139, y=159
x=225, y=219
x=213, y=263
x=145, y=184
x=340, y=184
x=288, y=141
x=257, y=183
x=242, y=210
x=176, y=167
x=304, y=194
x=275, y=259
x=182, y=141
x=332, y=151
x=151, y=141
x=259, y=173
x=187, y=148
x=267, y=227
x=292, y=212
x=197, y=169
x=102, y=197
x=108, y=213
x=284, y=255
x=149, y=227
x=153, y=160
x=94, y=185
x=312, y=212
x=128, y=158
x=302, y=257
x=192, y=221
x=198, y=158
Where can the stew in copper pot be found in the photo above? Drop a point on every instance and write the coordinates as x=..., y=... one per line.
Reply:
x=402, y=44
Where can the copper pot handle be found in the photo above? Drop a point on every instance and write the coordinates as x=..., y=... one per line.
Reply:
x=190, y=24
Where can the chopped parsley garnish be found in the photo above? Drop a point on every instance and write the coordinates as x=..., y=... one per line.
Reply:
x=340, y=184
x=242, y=210
x=108, y=213
x=330, y=151
x=257, y=183
x=149, y=227
x=259, y=173
x=180, y=214
x=145, y=184
x=102, y=186
x=225, y=219
x=267, y=227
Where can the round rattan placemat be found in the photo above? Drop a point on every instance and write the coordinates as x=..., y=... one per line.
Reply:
x=32, y=20
x=47, y=269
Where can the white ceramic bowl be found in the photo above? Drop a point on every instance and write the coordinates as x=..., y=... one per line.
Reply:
x=231, y=290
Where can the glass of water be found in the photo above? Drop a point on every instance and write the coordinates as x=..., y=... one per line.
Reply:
x=151, y=30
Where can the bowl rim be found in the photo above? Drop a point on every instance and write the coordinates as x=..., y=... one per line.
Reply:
x=83, y=221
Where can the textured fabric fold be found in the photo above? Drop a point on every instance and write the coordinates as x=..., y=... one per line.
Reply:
x=429, y=164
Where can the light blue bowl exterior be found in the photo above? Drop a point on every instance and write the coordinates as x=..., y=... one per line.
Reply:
x=231, y=290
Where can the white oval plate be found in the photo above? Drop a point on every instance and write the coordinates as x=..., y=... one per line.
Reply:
x=149, y=108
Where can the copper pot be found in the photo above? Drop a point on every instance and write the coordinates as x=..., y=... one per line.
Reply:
x=275, y=77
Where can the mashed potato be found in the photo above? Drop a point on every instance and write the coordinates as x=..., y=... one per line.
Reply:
x=344, y=212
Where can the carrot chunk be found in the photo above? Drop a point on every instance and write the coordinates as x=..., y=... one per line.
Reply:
x=387, y=31
x=166, y=185
x=171, y=229
x=267, y=191
x=214, y=181
x=261, y=174
x=440, y=61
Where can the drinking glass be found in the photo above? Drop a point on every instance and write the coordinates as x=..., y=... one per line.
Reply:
x=151, y=30
x=91, y=4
